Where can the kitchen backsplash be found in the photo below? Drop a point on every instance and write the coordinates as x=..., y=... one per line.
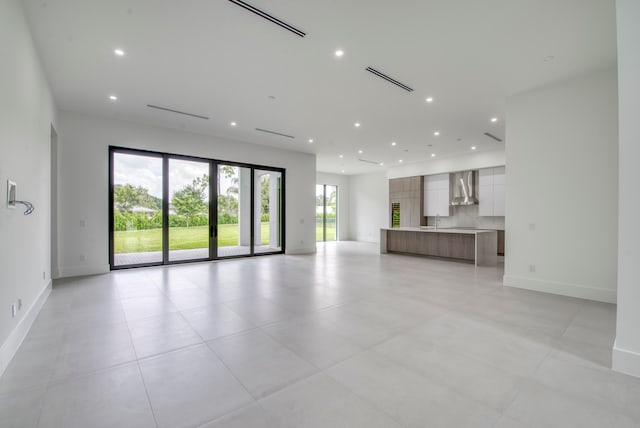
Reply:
x=467, y=216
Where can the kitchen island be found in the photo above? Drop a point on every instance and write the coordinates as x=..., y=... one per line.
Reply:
x=474, y=245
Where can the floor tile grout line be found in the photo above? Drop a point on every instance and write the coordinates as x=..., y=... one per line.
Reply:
x=231, y=373
x=146, y=391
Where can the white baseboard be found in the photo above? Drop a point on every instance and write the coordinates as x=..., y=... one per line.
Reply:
x=625, y=361
x=296, y=251
x=13, y=342
x=69, y=271
x=562, y=288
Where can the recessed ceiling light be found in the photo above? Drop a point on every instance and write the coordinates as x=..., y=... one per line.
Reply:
x=233, y=124
x=360, y=152
x=357, y=124
x=339, y=53
x=473, y=147
x=118, y=52
x=393, y=143
x=400, y=161
x=310, y=140
x=113, y=98
x=342, y=171
x=436, y=133
x=381, y=163
x=494, y=119
x=430, y=99
x=549, y=58
x=340, y=156
x=433, y=155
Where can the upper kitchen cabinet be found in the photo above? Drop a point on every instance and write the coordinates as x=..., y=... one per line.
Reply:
x=436, y=195
x=491, y=191
x=408, y=193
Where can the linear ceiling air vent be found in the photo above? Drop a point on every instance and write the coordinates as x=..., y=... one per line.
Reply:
x=369, y=161
x=178, y=112
x=388, y=79
x=268, y=17
x=274, y=133
x=493, y=136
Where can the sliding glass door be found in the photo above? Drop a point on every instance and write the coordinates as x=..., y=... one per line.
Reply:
x=170, y=209
x=234, y=211
x=188, y=223
x=326, y=212
x=136, y=203
x=268, y=210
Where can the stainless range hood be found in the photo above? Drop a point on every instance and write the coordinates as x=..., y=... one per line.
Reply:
x=464, y=187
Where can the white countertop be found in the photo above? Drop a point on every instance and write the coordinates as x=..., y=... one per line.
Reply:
x=439, y=230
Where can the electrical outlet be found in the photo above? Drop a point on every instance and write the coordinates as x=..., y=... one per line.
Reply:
x=19, y=304
x=532, y=268
x=532, y=226
x=13, y=311
x=81, y=257
x=44, y=274
x=83, y=223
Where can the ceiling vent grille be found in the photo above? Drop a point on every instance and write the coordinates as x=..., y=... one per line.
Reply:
x=177, y=111
x=493, y=136
x=389, y=79
x=269, y=17
x=275, y=133
x=369, y=161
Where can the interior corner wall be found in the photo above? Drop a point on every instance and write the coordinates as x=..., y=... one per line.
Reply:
x=342, y=181
x=369, y=206
x=83, y=160
x=27, y=112
x=626, y=351
x=562, y=192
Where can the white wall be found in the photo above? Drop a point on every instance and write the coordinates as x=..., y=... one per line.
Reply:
x=83, y=182
x=562, y=191
x=626, y=352
x=369, y=206
x=342, y=181
x=459, y=163
x=26, y=114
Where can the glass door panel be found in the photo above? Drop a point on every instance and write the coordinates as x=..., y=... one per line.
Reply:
x=234, y=211
x=326, y=212
x=137, y=209
x=188, y=210
x=319, y=212
x=331, y=213
x=267, y=211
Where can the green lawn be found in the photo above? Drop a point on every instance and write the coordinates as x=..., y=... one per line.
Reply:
x=180, y=238
x=331, y=233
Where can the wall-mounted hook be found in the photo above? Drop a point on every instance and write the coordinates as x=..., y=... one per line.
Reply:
x=27, y=204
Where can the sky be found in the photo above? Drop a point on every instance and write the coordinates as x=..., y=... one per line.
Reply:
x=146, y=171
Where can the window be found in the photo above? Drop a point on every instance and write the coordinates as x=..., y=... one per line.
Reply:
x=170, y=208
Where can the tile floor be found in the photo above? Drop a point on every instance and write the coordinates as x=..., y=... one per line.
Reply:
x=343, y=338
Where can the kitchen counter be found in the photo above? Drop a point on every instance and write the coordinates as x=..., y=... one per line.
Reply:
x=475, y=245
x=440, y=230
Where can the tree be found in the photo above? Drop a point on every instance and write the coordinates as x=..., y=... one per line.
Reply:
x=264, y=193
x=125, y=196
x=190, y=200
x=332, y=201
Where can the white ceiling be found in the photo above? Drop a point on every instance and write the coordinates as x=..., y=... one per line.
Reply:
x=213, y=58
